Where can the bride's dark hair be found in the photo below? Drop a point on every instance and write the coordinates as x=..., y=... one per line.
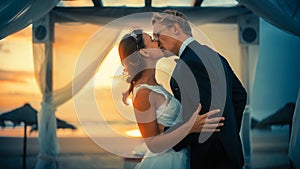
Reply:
x=131, y=58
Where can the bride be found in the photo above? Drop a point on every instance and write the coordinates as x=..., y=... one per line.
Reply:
x=155, y=108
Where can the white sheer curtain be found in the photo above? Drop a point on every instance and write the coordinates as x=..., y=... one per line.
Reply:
x=49, y=147
x=46, y=117
x=294, y=146
x=16, y=14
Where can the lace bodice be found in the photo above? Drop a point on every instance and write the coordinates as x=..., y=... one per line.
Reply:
x=169, y=113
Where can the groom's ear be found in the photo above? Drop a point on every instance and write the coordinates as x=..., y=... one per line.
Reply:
x=177, y=28
x=144, y=52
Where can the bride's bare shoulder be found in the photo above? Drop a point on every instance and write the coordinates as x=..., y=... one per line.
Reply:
x=141, y=100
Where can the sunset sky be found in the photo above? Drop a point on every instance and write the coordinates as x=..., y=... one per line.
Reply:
x=17, y=81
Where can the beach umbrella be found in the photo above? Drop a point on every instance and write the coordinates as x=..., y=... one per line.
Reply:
x=282, y=116
x=25, y=114
x=28, y=116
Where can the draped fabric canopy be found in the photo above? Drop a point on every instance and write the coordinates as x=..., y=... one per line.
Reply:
x=16, y=15
x=287, y=13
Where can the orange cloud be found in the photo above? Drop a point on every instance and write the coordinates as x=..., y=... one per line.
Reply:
x=16, y=76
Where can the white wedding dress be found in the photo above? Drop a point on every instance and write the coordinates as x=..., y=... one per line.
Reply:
x=168, y=114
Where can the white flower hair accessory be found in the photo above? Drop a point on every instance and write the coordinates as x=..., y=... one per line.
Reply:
x=134, y=35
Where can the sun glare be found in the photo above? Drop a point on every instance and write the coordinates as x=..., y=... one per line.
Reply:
x=108, y=68
x=134, y=133
x=129, y=101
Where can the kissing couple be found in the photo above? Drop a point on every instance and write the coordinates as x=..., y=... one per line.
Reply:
x=172, y=124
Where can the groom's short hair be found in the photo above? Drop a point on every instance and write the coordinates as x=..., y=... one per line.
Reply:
x=169, y=17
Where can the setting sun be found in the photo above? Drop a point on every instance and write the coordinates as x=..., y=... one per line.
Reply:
x=134, y=133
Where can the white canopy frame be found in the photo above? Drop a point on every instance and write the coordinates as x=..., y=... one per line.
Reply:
x=25, y=13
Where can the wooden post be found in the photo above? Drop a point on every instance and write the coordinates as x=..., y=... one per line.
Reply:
x=25, y=145
x=49, y=74
x=245, y=69
x=246, y=128
x=148, y=3
x=43, y=32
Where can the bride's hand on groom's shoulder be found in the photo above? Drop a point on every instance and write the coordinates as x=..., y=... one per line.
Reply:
x=207, y=122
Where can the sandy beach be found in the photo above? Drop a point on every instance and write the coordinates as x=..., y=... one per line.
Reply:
x=75, y=153
x=269, y=151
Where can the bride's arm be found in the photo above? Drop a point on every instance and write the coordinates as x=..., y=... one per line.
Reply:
x=196, y=123
x=158, y=142
x=144, y=109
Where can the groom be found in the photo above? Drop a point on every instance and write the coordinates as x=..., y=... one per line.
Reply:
x=221, y=150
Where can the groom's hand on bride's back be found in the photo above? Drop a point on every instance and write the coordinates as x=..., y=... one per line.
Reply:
x=207, y=122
